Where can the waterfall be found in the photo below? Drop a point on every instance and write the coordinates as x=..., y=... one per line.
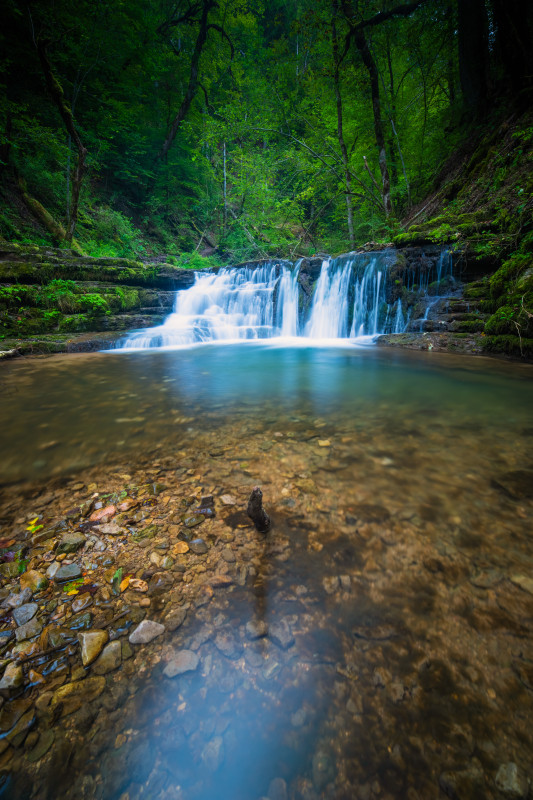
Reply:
x=354, y=296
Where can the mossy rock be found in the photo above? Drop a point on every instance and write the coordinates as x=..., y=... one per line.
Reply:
x=467, y=326
x=509, y=345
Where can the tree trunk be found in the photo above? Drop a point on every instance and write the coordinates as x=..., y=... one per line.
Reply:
x=193, y=84
x=473, y=53
x=58, y=96
x=362, y=45
x=513, y=20
x=340, y=132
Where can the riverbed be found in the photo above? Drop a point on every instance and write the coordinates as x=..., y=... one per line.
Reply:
x=376, y=643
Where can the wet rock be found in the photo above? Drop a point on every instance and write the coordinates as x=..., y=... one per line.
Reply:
x=70, y=543
x=146, y=631
x=226, y=642
x=29, y=630
x=198, y=546
x=256, y=629
x=192, y=520
x=281, y=634
x=67, y=572
x=10, y=569
x=466, y=783
x=228, y=500
x=44, y=743
x=80, y=621
x=110, y=529
x=277, y=790
x=524, y=582
x=256, y=512
x=323, y=771
x=52, y=569
x=5, y=636
x=330, y=584
x=213, y=754
x=109, y=659
x=512, y=781
x=167, y=562
x=228, y=555
x=137, y=585
x=175, y=619
x=367, y=512
x=517, y=484
x=17, y=735
x=33, y=580
x=81, y=601
x=220, y=581
x=181, y=661
x=24, y=613
x=16, y=600
x=12, y=677
x=160, y=582
x=92, y=643
x=73, y=696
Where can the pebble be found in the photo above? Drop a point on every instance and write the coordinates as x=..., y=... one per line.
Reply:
x=228, y=500
x=175, y=619
x=33, y=580
x=180, y=662
x=76, y=694
x=524, y=582
x=146, y=631
x=70, y=543
x=228, y=555
x=24, y=613
x=281, y=634
x=92, y=643
x=256, y=629
x=512, y=781
x=81, y=601
x=16, y=600
x=12, y=677
x=29, y=630
x=198, y=546
x=330, y=584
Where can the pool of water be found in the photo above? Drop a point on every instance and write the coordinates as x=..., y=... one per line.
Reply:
x=395, y=588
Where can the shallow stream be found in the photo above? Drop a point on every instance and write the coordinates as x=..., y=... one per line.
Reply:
x=375, y=644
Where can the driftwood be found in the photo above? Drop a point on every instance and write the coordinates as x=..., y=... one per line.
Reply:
x=256, y=512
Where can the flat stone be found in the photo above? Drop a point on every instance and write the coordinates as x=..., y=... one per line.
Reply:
x=220, y=581
x=109, y=659
x=146, y=631
x=67, y=572
x=12, y=677
x=92, y=643
x=517, y=484
x=191, y=520
x=366, y=512
x=33, y=580
x=198, y=546
x=281, y=634
x=81, y=601
x=52, y=569
x=524, y=582
x=182, y=661
x=16, y=600
x=29, y=630
x=228, y=555
x=256, y=629
x=111, y=529
x=24, y=613
x=175, y=619
x=160, y=582
x=228, y=500
x=73, y=696
x=512, y=781
x=70, y=543
x=46, y=740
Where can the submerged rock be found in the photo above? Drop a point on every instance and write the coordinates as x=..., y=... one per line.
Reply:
x=33, y=580
x=24, y=613
x=109, y=659
x=67, y=572
x=512, y=781
x=29, y=630
x=198, y=546
x=73, y=696
x=281, y=634
x=12, y=677
x=91, y=643
x=182, y=661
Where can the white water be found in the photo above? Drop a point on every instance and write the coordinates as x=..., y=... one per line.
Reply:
x=265, y=302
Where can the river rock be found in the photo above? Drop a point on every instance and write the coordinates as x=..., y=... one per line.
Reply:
x=228, y=644
x=45, y=742
x=67, y=572
x=367, y=512
x=10, y=569
x=191, y=520
x=73, y=696
x=16, y=600
x=146, y=631
x=24, y=613
x=12, y=677
x=281, y=634
x=70, y=543
x=512, y=781
x=29, y=630
x=92, y=643
x=52, y=569
x=17, y=734
x=33, y=580
x=175, y=619
x=228, y=555
x=198, y=546
x=213, y=754
x=182, y=661
x=81, y=601
x=256, y=629
x=517, y=484
x=160, y=582
x=524, y=582
x=109, y=659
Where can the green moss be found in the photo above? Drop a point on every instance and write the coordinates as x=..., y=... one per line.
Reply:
x=509, y=345
x=467, y=326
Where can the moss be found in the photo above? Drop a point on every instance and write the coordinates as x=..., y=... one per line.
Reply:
x=510, y=271
x=509, y=345
x=467, y=326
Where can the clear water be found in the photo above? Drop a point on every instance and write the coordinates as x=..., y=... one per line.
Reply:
x=394, y=559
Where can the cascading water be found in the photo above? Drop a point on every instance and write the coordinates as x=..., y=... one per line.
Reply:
x=353, y=297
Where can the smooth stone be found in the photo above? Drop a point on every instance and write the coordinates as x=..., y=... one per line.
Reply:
x=80, y=621
x=281, y=634
x=191, y=520
x=67, y=572
x=92, y=643
x=73, y=696
x=52, y=569
x=175, y=619
x=146, y=631
x=512, y=781
x=518, y=484
x=367, y=512
x=524, y=582
x=81, y=601
x=16, y=600
x=29, y=630
x=10, y=569
x=256, y=629
x=109, y=659
x=17, y=734
x=33, y=580
x=182, y=661
x=226, y=642
x=24, y=613
x=46, y=740
x=198, y=546
x=70, y=543
x=228, y=500
x=228, y=555
x=12, y=677
x=160, y=582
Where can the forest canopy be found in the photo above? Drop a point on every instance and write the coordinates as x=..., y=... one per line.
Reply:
x=231, y=127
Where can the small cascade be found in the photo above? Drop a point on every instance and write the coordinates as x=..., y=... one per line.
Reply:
x=352, y=296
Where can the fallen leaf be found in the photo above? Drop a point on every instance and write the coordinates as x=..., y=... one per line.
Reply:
x=6, y=543
x=124, y=584
x=103, y=513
